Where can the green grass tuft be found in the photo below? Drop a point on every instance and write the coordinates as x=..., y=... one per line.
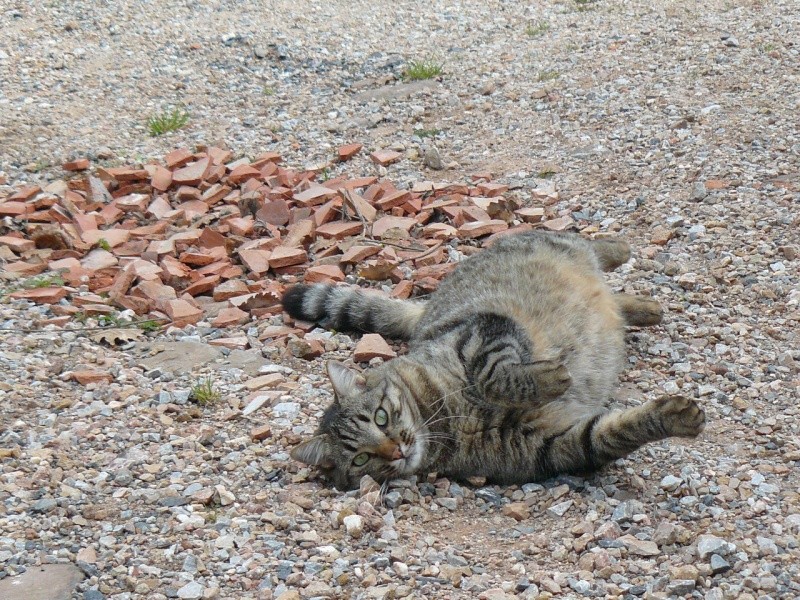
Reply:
x=549, y=75
x=42, y=281
x=167, y=121
x=204, y=393
x=537, y=29
x=418, y=70
x=427, y=133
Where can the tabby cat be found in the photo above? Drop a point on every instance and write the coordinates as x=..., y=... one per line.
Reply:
x=511, y=366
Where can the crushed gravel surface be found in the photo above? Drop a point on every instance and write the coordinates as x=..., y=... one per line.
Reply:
x=671, y=124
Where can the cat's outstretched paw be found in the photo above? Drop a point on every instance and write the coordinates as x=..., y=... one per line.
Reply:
x=681, y=417
x=552, y=378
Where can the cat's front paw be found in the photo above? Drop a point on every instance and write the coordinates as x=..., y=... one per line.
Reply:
x=681, y=417
x=552, y=378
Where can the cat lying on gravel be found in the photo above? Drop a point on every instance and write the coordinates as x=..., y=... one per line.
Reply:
x=510, y=369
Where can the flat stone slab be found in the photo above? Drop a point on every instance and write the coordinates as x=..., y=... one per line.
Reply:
x=48, y=582
x=181, y=357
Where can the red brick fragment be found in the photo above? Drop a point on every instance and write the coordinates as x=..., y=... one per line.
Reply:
x=384, y=224
x=178, y=158
x=112, y=237
x=532, y=214
x=228, y=317
x=256, y=261
x=191, y=174
x=91, y=376
x=80, y=164
x=477, y=229
x=372, y=346
x=24, y=194
x=559, y=224
x=15, y=209
x=241, y=226
x=314, y=195
x=340, y=229
x=492, y=189
x=385, y=157
x=182, y=313
x=242, y=173
x=323, y=274
x=356, y=254
x=45, y=295
x=348, y=151
x=392, y=199
x=359, y=206
x=133, y=203
x=18, y=245
x=203, y=285
x=284, y=257
x=260, y=433
x=230, y=289
x=403, y=290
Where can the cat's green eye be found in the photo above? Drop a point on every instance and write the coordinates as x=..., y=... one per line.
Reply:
x=361, y=459
x=381, y=418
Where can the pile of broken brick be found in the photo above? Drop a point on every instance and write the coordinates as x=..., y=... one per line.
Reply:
x=203, y=236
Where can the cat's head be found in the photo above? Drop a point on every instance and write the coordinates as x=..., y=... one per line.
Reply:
x=371, y=428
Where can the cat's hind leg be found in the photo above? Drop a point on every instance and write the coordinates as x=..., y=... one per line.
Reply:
x=611, y=252
x=639, y=311
x=594, y=442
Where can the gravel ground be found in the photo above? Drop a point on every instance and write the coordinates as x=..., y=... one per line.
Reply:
x=672, y=124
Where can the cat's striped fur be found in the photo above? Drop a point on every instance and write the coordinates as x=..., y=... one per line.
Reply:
x=511, y=365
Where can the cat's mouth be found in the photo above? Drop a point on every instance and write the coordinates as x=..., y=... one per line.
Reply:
x=411, y=456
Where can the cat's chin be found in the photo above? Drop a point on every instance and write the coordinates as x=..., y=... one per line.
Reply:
x=413, y=457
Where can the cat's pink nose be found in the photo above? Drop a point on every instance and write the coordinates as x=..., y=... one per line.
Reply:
x=397, y=453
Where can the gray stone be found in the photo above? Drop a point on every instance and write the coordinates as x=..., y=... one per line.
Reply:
x=393, y=499
x=93, y=595
x=396, y=92
x=432, y=159
x=719, y=564
x=625, y=512
x=191, y=591
x=47, y=582
x=681, y=587
x=560, y=509
x=699, y=191
x=44, y=505
x=711, y=544
x=179, y=357
x=670, y=483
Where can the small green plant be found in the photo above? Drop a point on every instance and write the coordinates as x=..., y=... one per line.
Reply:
x=427, y=133
x=548, y=75
x=325, y=174
x=148, y=325
x=584, y=5
x=537, y=29
x=204, y=393
x=167, y=121
x=103, y=244
x=268, y=91
x=546, y=173
x=42, y=281
x=418, y=70
x=768, y=47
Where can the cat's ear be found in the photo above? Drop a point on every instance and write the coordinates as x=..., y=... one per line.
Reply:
x=346, y=382
x=315, y=452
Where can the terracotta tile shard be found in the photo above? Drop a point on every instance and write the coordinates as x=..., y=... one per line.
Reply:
x=112, y=237
x=186, y=193
x=306, y=349
x=174, y=272
x=392, y=199
x=360, y=207
x=24, y=268
x=241, y=226
x=260, y=433
x=232, y=343
x=439, y=231
x=275, y=212
x=323, y=274
x=182, y=313
x=122, y=282
x=178, y=158
x=138, y=305
x=229, y=317
x=316, y=194
x=191, y=174
x=533, y=214
x=24, y=194
x=45, y=295
x=340, y=229
x=385, y=157
x=716, y=184
x=256, y=261
x=385, y=224
x=160, y=178
x=348, y=151
x=14, y=209
x=155, y=291
x=243, y=173
x=203, y=285
x=372, y=346
x=127, y=174
x=80, y=164
x=559, y=224
x=133, y=203
x=359, y=182
x=403, y=290
x=215, y=193
x=492, y=189
x=270, y=380
x=356, y=254
x=158, y=208
x=285, y=257
x=230, y=289
x=211, y=239
x=477, y=229
x=87, y=377
x=18, y=245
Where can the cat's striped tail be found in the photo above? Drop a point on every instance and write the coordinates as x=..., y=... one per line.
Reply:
x=350, y=309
